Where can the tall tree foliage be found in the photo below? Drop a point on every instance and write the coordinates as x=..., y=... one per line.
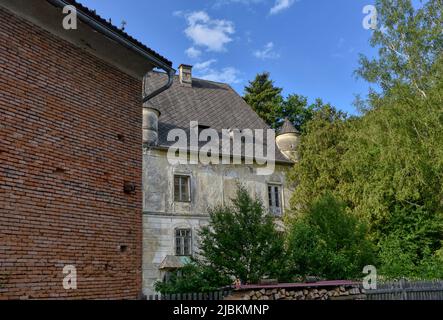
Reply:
x=409, y=41
x=387, y=165
x=264, y=98
x=320, y=153
x=267, y=101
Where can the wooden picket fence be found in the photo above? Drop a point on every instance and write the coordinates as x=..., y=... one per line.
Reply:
x=216, y=295
x=407, y=290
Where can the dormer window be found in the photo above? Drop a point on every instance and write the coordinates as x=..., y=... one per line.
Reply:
x=202, y=127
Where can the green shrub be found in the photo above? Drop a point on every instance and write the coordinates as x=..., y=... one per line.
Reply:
x=193, y=277
x=411, y=247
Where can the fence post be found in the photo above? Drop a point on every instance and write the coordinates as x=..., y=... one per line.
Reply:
x=404, y=294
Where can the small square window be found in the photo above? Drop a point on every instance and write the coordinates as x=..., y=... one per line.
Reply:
x=182, y=188
x=274, y=197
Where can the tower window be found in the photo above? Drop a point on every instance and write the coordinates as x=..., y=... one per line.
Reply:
x=274, y=197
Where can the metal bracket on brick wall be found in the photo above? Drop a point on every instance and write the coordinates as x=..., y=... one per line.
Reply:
x=129, y=188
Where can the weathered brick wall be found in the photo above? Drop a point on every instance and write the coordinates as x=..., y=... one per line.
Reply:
x=70, y=136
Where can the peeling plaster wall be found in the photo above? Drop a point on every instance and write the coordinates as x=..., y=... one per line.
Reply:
x=211, y=185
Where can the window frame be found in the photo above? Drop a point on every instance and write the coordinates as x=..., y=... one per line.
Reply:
x=275, y=204
x=183, y=239
x=180, y=197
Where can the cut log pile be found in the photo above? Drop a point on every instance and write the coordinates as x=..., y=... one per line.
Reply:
x=331, y=293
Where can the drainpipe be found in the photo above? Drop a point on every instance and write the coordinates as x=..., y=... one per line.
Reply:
x=151, y=113
x=170, y=72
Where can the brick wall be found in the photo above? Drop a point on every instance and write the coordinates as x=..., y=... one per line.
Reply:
x=70, y=136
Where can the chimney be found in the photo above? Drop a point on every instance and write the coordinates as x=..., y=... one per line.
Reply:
x=185, y=75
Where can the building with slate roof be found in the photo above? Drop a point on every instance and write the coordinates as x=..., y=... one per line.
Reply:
x=177, y=196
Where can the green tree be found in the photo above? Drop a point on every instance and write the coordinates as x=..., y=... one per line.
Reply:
x=267, y=101
x=409, y=41
x=241, y=240
x=329, y=242
x=264, y=98
x=387, y=165
x=297, y=110
x=322, y=146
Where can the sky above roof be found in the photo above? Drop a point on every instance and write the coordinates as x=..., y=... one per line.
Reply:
x=310, y=47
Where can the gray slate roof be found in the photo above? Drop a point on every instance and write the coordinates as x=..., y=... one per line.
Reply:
x=288, y=127
x=212, y=104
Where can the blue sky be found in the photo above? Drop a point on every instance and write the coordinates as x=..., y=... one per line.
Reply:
x=310, y=47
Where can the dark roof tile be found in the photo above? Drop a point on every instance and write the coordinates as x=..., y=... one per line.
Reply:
x=287, y=127
x=212, y=104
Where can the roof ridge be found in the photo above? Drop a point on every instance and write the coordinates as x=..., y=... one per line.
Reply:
x=108, y=24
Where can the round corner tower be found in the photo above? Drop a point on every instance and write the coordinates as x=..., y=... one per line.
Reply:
x=150, y=124
x=288, y=140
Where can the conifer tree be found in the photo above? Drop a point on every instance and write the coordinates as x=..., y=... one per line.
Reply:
x=264, y=98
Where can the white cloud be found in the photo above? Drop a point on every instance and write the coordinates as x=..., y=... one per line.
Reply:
x=204, y=66
x=267, y=52
x=205, y=70
x=281, y=5
x=193, y=52
x=226, y=75
x=211, y=34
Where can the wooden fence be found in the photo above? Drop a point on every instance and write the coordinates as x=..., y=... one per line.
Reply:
x=407, y=290
x=395, y=290
x=216, y=295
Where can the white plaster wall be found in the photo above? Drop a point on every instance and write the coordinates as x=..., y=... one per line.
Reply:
x=211, y=185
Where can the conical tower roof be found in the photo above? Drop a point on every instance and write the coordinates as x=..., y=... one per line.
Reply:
x=288, y=127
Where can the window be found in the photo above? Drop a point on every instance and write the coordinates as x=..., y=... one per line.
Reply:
x=183, y=242
x=182, y=189
x=274, y=196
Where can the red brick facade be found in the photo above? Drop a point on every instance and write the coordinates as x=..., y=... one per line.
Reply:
x=70, y=137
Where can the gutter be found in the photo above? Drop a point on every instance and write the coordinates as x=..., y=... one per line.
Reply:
x=242, y=157
x=85, y=18
x=170, y=72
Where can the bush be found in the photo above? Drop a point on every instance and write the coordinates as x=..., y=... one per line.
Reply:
x=411, y=247
x=193, y=277
x=328, y=242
